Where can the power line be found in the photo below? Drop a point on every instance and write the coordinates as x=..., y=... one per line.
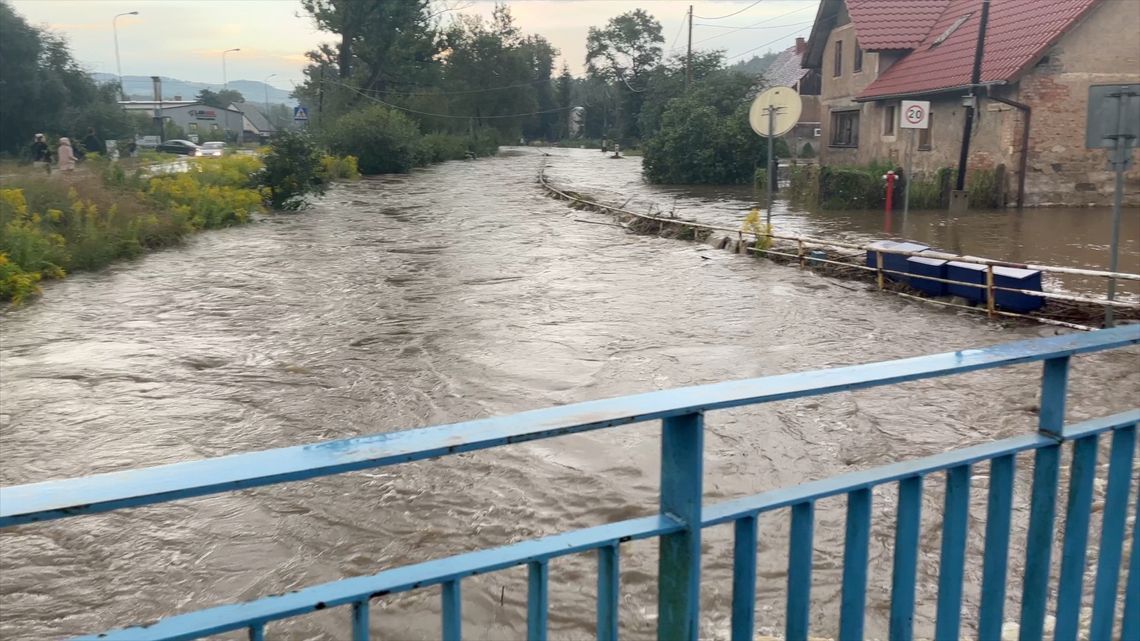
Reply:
x=773, y=26
x=461, y=93
x=730, y=14
x=766, y=44
x=776, y=26
x=680, y=28
x=753, y=25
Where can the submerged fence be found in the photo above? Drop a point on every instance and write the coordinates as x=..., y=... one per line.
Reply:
x=682, y=515
x=798, y=248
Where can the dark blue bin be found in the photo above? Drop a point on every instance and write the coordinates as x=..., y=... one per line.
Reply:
x=967, y=273
x=1017, y=279
x=935, y=267
x=892, y=262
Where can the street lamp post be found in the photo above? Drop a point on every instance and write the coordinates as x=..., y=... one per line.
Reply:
x=266, y=84
x=225, y=82
x=119, y=67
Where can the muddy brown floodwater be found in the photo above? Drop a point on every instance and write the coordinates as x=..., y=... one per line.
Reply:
x=455, y=293
x=1056, y=236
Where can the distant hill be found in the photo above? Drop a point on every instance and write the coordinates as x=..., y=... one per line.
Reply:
x=141, y=88
x=756, y=65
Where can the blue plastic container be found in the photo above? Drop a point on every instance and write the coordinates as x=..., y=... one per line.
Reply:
x=967, y=273
x=920, y=266
x=1017, y=279
x=892, y=262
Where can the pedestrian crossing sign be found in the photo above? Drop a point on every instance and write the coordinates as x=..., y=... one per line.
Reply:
x=300, y=113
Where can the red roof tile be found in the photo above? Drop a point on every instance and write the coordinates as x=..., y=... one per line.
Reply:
x=1018, y=34
x=893, y=24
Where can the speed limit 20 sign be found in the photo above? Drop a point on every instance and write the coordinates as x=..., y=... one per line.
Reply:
x=915, y=114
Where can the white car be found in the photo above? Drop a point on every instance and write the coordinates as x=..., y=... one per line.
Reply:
x=216, y=149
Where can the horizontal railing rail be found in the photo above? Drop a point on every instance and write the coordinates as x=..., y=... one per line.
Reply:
x=682, y=516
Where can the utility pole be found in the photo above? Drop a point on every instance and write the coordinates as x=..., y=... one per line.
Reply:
x=119, y=67
x=689, y=55
x=971, y=106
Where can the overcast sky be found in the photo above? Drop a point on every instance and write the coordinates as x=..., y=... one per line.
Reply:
x=184, y=39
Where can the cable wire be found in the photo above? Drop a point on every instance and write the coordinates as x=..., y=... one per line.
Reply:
x=765, y=44
x=750, y=26
x=679, y=30
x=730, y=14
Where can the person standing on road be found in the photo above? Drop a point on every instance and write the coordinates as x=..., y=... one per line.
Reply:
x=66, y=155
x=92, y=143
x=41, y=153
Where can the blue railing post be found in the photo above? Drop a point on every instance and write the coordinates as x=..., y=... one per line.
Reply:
x=906, y=559
x=1043, y=504
x=1112, y=532
x=679, y=567
x=798, y=617
x=1082, y=471
x=995, y=558
x=360, y=621
x=609, y=584
x=537, y=599
x=955, y=518
x=855, y=550
x=744, y=580
x=452, y=612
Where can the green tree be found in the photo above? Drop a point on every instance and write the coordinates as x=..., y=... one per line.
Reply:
x=705, y=136
x=219, y=99
x=622, y=54
x=44, y=90
x=565, y=100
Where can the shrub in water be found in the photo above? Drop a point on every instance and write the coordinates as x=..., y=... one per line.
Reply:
x=383, y=140
x=294, y=168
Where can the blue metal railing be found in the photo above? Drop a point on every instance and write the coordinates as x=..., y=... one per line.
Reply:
x=681, y=517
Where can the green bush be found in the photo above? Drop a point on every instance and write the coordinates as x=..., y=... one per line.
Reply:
x=983, y=189
x=435, y=148
x=705, y=137
x=856, y=187
x=294, y=168
x=339, y=168
x=808, y=151
x=383, y=140
x=803, y=184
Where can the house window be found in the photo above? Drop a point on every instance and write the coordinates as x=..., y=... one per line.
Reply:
x=889, y=118
x=924, y=134
x=858, y=57
x=838, y=58
x=845, y=129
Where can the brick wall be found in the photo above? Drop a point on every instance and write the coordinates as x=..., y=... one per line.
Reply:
x=1103, y=49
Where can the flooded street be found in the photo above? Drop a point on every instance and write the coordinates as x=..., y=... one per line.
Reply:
x=1061, y=237
x=460, y=292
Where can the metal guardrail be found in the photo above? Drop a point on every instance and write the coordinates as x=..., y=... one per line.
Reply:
x=682, y=516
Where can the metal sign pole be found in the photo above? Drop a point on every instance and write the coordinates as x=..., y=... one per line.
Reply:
x=909, y=176
x=1119, y=160
x=771, y=174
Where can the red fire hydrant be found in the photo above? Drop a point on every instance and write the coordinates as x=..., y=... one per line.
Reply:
x=890, y=177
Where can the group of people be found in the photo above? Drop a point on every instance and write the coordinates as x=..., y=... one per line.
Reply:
x=66, y=154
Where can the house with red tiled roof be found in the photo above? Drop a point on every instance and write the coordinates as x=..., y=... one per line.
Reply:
x=1039, y=59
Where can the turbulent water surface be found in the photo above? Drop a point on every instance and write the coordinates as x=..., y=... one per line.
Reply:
x=455, y=293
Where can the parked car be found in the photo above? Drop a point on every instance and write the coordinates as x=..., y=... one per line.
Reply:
x=183, y=147
x=216, y=148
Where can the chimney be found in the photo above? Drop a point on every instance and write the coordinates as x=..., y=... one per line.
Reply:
x=800, y=45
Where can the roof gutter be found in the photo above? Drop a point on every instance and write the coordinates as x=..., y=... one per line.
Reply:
x=928, y=92
x=1023, y=163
